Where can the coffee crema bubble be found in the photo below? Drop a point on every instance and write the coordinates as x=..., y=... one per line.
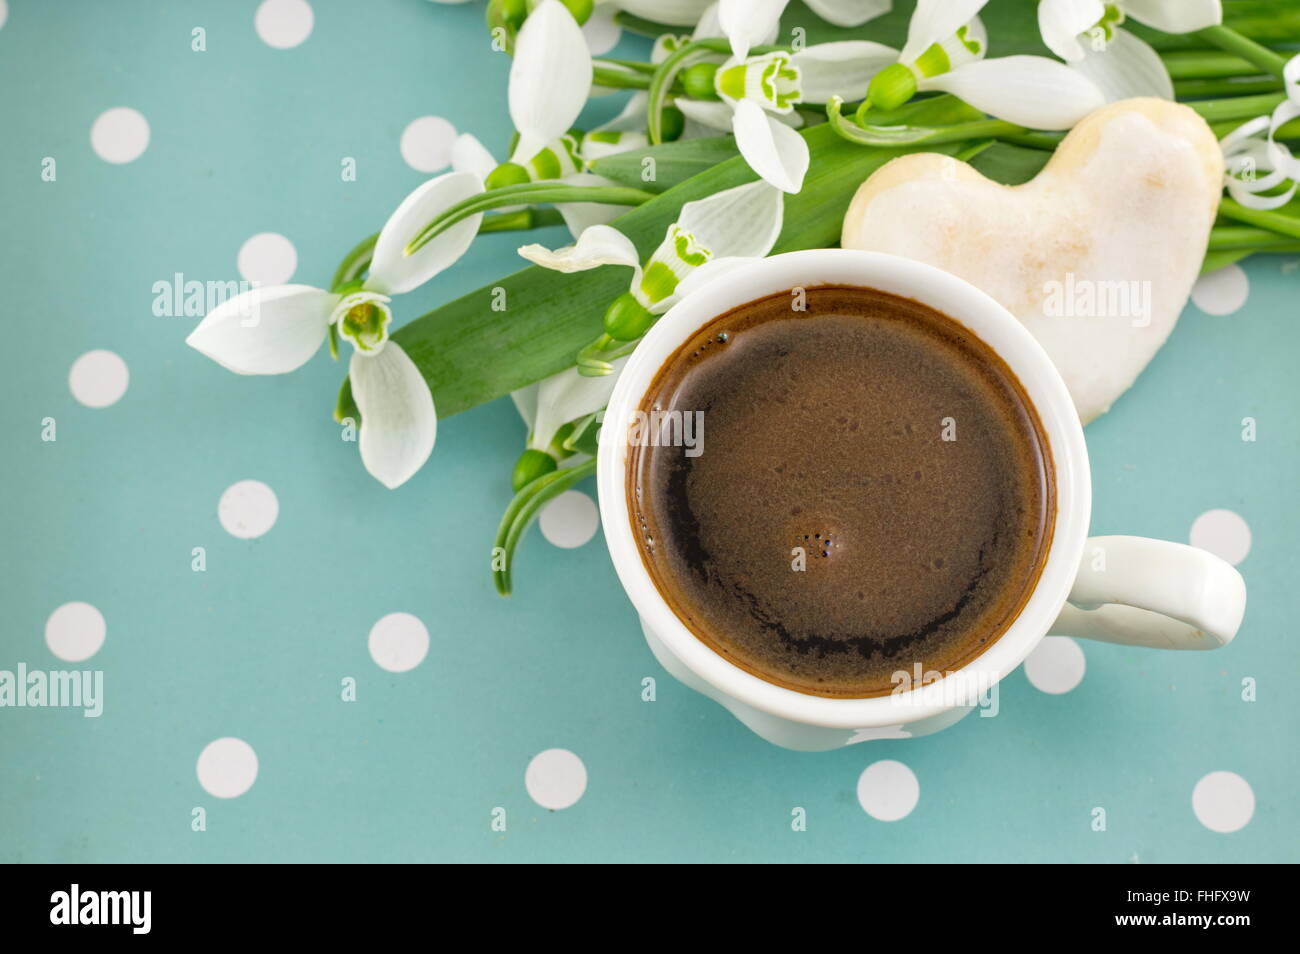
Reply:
x=875, y=491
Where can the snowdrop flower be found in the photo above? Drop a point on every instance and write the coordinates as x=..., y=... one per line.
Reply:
x=550, y=78
x=1087, y=35
x=710, y=235
x=549, y=407
x=754, y=97
x=945, y=51
x=275, y=330
x=742, y=222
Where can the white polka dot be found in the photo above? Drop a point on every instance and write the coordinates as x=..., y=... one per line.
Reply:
x=1056, y=665
x=888, y=790
x=227, y=768
x=119, y=134
x=601, y=31
x=426, y=143
x=555, y=779
x=75, y=631
x=570, y=520
x=1222, y=291
x=267, y=258
x=4, y=12
x=248, y=509
x=1223, y=533
x=399, y=642
x=1223, y=802
x=284, y=23
x=98, y=378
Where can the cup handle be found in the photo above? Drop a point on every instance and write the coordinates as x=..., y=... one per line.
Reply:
x=1142, y=592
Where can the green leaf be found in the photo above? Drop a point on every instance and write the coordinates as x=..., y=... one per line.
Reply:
x=1010, y=165
x=674, y=162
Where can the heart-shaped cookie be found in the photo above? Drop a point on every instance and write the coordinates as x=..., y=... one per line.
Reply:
x=1096, y=255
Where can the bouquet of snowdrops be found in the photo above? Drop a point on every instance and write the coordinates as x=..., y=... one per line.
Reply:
x=749, y=125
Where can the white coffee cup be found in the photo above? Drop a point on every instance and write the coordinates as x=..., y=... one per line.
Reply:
x=1129, y=590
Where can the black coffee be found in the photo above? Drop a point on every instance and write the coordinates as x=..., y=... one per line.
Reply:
x=869, y=489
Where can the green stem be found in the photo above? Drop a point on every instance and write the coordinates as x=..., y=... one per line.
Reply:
x=1238, y=107
x=1230, y=86
x=358, y=260
x=528, y=193
x=1206, y=64
x=887, y=136
x=660, y=84
x=723, y=46
x=612, y=78
x=1034, y=140
x=1271, y=219
x=354, y=263
x=1227, y=237
x=524, y=507
x=665, y=75
x=636, y=65
x=1233, y=42
x=590, y=366
x=1216, y=260
x=520, y=221
x=974, y=149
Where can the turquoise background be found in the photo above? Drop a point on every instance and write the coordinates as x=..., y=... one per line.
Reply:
x=247, y=139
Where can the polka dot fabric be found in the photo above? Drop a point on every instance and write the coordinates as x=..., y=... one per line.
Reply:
x=280, y=637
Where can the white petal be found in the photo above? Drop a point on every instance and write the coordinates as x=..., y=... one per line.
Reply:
x=526, y=403
x=742, y=222
x=1125, y=69
x=392, y=271
x=712, y=113
x=1061, y=21
x=567, y=396
x=1031, y=91
x=398, y=422
x=772, y=149
x=550, y=78
x=707, y=26
x=1175, y=16
x=266, y=330
x=670, y=12
x=934, y=21
x=850, y=13
x=840, y=69
x=470, y=155
x=580, y=216
x=593, y=149
x=630, y=123
x=748, y=23
x=632, y=118
x=598, y=245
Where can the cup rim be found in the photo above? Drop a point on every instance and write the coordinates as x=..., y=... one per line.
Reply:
x=952, y=296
